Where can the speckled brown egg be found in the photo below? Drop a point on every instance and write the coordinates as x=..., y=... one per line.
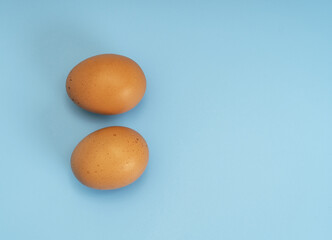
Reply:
x=106, y=84
x=110, y=158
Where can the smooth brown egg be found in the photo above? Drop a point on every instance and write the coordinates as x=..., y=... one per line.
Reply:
x=106, y=84
x=110, y=158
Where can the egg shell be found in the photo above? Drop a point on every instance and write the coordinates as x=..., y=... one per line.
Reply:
x=110, y=158
x=106, y=84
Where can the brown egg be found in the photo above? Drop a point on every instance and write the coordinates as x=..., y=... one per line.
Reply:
x=110, y=158
x=106, y=84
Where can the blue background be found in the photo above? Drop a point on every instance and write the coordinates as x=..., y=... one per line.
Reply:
x=237, y=115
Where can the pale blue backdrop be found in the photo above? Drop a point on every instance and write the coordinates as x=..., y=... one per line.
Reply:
x=237, y=114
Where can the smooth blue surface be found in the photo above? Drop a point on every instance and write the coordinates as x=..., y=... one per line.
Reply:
x=237, y=114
